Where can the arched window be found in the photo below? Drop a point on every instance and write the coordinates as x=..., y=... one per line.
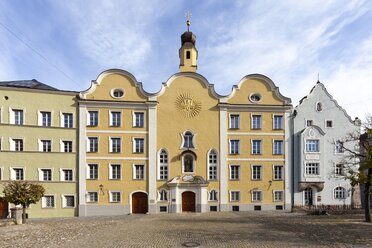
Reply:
x=339, y=193
x=212, y=195
x=212, y=165
x=319, y=106
x=163, y=165
x=188, y=163
x=163, y=195
x=188, y=140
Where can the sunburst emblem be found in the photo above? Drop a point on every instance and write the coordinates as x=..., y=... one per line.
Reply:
x=187, y=105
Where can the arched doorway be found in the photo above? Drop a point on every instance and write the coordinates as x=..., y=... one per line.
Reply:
x=188, y=201
x=139, y=203
x=308, y=197
x=3, y=208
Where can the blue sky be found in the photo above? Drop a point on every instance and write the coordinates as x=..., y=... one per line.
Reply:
x=70, y=42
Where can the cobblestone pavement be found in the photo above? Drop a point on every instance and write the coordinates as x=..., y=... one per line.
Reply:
x=225, y=229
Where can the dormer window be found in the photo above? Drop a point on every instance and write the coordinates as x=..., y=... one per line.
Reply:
x=188, y=140
x=117, y=93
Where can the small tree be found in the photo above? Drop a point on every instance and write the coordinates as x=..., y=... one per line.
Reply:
x=362, y=157
x=23, y=193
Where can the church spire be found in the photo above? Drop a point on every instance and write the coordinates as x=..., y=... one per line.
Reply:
x=188, y=53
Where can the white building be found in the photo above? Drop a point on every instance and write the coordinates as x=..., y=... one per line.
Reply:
x=319, y=124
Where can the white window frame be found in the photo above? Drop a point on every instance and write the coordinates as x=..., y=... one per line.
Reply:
x=254, y=195
x=275, y=199
x=231, y=172
x=193, y=163
x=281, y=172
x=210, y=195
x=111, y=175
x=63, y=118
x=12, y=144
x=232, y=121
x=1, y=173
x=12, y=119
x=258, y=175
x=89, y=123
x=309, y=146
x=12, y=174
x=62, y=174
x=111, y=192
x=135, y=171
x=41, y=174
x=230, y=147
x=88, y=171
x=163, y=165
x=343, y=193
x=88, y=143
x=231, y=192
x=111, y=145
x=275, y=151
x=339, y=150
x=212, y=167
x=40, y=118
x=183, y=143
x=260, y=147
x=88, y=196
x=275, y=126
x=64, y=201
x=310, y=166
x=134, y=145
x=339, y=172
x=62, y=146
x=134, y=119
x=41, y=145
x=43, y=201
x=111, y=119
x=160, y=195
x=254, y=123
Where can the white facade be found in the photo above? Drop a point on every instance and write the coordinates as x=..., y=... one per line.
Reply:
x=318, y=124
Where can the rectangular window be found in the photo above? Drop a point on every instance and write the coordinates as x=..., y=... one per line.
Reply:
x=46, y=118
x=278, y=147
x=139, y=119
x=235, y=196
x=115, y=171
x=309, y=123
x=339, y=170
x=67, y=175
x=115, y=196
x=67, y=146
x=139, y=145
x=18, y=145
x=93, y=144
x=139, y=173
x=115, y=145
x=234, y=146
x=234, y=121
x=256, y=122
x=278, y=172
x=329, y=123
x=68, y=121
x=339, y=147
x=93, y=118
x=18, y=174
x=48, y=201
x=18, y=116
x=115, y=119
x=92, y=171
x=46, y=174
x=256, y=172
x=163, y=172
x=312, y=169
x=68, y=201
x=278, y=122
x=256, y=147
x=212, y=174
x=312, y=145
x=256, y=195
x=278, y=196
x=46, y=145
x=92, y=196
x=234, y=172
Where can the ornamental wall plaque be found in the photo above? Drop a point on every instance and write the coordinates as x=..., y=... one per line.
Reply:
x=187, y=105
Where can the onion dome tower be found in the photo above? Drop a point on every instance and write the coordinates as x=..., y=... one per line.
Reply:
x=188, y=53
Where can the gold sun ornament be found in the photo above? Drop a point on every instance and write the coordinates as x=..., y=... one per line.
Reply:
x=187, y=105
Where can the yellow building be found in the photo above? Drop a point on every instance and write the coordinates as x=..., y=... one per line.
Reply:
x=38, y=143
x=185, y=148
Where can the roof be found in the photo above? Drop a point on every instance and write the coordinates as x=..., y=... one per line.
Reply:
x=30, y=84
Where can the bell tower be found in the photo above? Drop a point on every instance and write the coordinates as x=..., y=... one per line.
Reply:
x=188, y=53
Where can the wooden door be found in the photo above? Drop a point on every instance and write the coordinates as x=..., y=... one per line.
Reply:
x=3, y=208
x=188, y=201
x=139, y=203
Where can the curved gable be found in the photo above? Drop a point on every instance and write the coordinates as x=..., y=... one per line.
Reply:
x=257, y=84
x=109, y=80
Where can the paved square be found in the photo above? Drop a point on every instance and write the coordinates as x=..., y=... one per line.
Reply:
x=225, y=229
